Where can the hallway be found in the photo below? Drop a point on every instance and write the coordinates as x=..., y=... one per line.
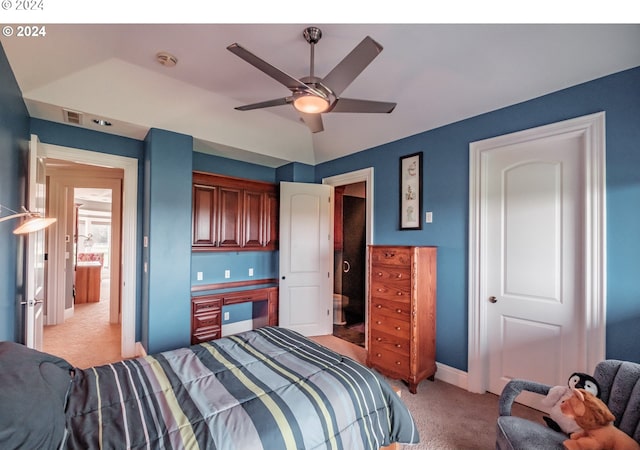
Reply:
x=86, y=339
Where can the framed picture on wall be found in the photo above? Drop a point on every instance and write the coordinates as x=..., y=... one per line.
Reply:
x=411, y=192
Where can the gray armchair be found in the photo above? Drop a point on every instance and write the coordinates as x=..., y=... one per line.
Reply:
x=619, y=389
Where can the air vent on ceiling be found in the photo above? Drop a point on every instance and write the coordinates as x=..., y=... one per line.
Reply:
x=72, y=117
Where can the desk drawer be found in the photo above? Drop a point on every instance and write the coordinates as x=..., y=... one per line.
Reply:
x=205, y=305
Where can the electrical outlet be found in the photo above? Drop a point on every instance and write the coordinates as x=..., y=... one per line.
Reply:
x=226, y=315
x=227, y=273
x=251, y=271
x=199, y=276
x=428, y=217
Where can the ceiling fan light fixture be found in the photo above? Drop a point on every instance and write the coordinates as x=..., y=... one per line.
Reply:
x=310, y=104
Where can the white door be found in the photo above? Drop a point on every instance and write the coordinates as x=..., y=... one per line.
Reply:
x=539, y=254
x=306, y=258
x=533, y=276
x=35, y=261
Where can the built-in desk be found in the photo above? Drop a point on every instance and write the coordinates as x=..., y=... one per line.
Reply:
x=88, y=282
x=206, y=310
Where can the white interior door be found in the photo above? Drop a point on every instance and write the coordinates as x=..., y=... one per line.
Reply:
x=534, y=277
x=306, y=258
x=537, y=254
x=35, y=261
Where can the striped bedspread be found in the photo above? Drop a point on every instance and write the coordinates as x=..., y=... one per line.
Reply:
x=269, y=388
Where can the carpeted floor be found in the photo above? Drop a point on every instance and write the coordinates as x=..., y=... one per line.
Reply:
x=447, y=417
x=86, y=339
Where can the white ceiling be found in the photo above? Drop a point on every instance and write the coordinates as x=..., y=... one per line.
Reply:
x=437, y=74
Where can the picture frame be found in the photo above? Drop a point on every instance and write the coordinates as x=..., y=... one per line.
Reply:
x=411, y=192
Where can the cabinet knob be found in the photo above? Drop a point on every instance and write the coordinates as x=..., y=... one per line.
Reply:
x=378, y=339
x=378, y=306
x=399, y=293
x=398, y=363
x=398, y=310
x=378, y=322
x=379, y=274
x=378, y=355
x=398, y=328
x=399, y=275
x=398, y=345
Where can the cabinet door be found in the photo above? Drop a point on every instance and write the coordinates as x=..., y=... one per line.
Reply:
x=204, y=219
x=230, y=207
x=253, y=234
x=271, y=215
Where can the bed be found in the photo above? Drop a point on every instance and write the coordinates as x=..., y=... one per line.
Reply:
x=269, y=388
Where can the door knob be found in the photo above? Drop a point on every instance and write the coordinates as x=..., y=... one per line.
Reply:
x=493, y=299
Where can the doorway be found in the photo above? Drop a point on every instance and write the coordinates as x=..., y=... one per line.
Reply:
x=350, y=263
x=362, y=188
x=83, y=310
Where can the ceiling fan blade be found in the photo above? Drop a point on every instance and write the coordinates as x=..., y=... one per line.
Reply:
x=353, y=105
x=281, y=77
x=352, y=65
x=265, y=104
x=313, y=121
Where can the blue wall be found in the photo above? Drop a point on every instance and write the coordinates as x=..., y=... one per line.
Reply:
x=14, y=135
x=166, y=309
x=445, y=193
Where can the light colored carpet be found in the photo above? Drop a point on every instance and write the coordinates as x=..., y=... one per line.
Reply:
x=447, y=417
x=86, y=339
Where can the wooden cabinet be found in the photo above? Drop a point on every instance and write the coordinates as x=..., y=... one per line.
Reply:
x=206, y=311
x=402, y=312
x=231, y=214
x=87, y=283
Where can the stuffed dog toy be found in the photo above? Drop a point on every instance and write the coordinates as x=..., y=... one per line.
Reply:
x=596, y=421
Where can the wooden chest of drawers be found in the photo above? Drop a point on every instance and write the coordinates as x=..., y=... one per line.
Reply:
x=402, y=312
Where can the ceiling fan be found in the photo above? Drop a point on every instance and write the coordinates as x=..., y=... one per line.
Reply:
x=311, y=95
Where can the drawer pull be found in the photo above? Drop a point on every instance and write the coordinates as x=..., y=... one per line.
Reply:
x=380, y=290
x=389, y=254
x=378, y=322
x=379, y=274
x=398, y=310
x=399, y=345
x=398, y=328
x=378, y=355
x=379, y=339
x=398, y=363
x=399, y=293
x=399, y=275
x=378, y=306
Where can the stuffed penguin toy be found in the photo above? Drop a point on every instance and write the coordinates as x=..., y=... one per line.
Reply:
x=557, y=394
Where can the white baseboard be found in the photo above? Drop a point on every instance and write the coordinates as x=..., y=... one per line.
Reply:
x=452, y=375
x=140, y=350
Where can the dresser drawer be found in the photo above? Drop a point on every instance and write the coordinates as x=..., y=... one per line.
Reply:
x=391, y=309
x=389, y=342
x=389, y=325
x=399, y=291
x=395, y=256
x=390, y=360
x=205, y=305
x=391, y=274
